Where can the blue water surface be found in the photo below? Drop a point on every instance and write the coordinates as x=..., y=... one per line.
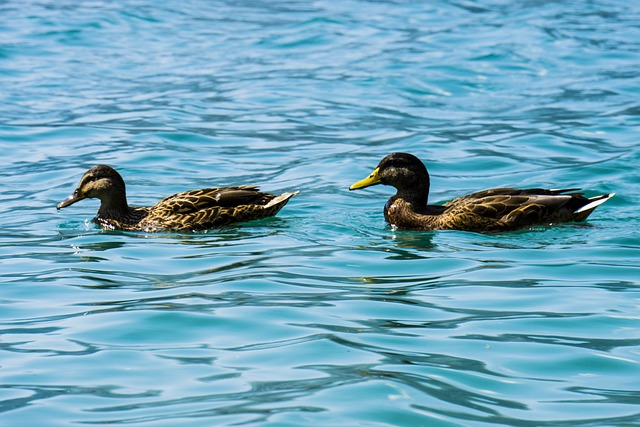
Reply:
x=323, y=315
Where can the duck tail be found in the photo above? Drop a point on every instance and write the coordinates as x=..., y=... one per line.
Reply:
x=593, y=202
x=281, y=200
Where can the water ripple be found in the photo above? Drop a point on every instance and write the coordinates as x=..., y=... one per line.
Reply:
x=323, y=315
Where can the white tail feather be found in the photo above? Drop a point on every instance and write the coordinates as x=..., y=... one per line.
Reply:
x=597, y=202
x=279, y=199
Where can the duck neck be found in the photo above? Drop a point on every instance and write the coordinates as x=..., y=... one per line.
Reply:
x=417, y=195
x=115, y=206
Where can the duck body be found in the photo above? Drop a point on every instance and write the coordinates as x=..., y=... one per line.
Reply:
x=186, y=211
x=496, y=209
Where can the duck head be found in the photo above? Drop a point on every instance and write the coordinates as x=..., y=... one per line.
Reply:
x=100, y=182
x=403, y=171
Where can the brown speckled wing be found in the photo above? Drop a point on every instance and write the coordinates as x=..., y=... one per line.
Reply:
x=211, y=207
x=505, y=212
x=193, y=201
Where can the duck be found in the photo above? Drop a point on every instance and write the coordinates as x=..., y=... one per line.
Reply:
x=193, y=210
x=492, y=210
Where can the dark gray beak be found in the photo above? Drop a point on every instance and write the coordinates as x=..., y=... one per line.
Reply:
x=74, y=197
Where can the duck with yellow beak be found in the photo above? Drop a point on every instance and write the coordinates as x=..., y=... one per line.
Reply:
x=496, y=209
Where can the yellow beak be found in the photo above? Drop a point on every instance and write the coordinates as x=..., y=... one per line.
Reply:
x=372, y=179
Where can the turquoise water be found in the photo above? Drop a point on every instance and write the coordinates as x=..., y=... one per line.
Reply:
x=323, y=315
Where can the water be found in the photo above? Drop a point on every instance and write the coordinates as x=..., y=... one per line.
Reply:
x=323, y=315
